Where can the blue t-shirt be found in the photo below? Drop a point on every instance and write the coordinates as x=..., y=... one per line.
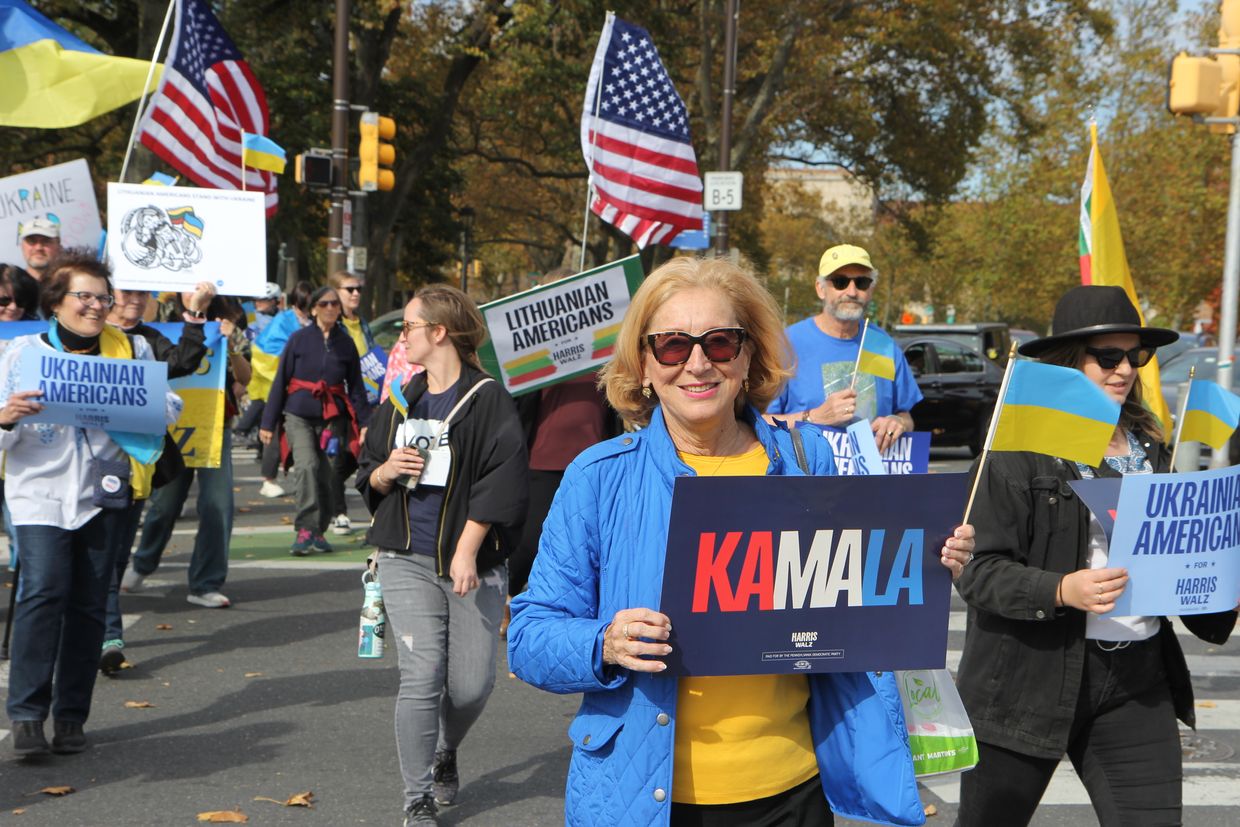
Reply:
x=425, y=501
x=825, y=365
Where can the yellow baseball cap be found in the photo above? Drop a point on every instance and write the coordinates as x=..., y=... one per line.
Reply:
x=841, y=255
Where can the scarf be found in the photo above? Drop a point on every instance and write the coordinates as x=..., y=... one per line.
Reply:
x=142, y=449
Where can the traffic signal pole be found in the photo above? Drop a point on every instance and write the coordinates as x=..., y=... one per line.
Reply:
x=1231, y=290
x=337, y=258
x=725, y=131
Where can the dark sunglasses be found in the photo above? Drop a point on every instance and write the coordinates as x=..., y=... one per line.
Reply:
x=1110, y=357
x=327, y=303
x=354, y=289
x=841, y=282
x=5, y=301
x=720, y=344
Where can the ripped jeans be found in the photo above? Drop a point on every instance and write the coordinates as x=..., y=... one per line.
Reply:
x=446, y=648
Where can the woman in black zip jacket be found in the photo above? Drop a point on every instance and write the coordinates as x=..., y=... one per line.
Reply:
x=1045, y=670
x=446, y=483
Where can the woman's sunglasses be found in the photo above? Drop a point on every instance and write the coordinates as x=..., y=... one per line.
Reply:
x=327, y=303
x=1110, y=357
x=5, y=301
x=720, y=344
x=841, y=282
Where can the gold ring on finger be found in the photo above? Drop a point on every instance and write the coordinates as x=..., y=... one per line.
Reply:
x=625, y=630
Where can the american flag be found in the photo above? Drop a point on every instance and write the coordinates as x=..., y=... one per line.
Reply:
x=635, y=137
x=207, y=97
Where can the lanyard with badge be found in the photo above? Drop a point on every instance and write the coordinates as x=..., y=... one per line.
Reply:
x=436, y=455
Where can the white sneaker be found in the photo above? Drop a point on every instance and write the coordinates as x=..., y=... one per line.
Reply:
x=131, y=581
x=341, y=525
x=270, y=490
x=210, y=600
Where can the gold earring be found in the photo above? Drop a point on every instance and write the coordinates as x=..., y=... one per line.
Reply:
x=648, y=391
x=745, y=386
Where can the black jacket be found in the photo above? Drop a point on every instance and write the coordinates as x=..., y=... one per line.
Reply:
x=310, y=357
x=185, y=356
x=487, y=482
x=1020, y=672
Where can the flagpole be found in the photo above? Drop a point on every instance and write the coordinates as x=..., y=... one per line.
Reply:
x=150, y=73
x=990, y=431
x=585, y=221
x=861, y=347
x=1179, y=425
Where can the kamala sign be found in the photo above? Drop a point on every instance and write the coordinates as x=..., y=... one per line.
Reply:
x=560, y=330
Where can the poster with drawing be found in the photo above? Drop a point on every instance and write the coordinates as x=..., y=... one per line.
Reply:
x=62, y=194
x=171, y=238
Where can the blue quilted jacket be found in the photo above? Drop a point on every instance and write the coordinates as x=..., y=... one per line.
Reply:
x=602, y=551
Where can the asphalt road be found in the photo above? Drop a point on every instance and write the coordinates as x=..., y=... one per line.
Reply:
x=267, y=700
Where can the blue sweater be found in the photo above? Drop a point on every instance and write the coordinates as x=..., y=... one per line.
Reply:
x=602, y=551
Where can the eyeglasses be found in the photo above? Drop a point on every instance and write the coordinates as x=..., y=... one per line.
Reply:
x=87, y=298
x=841, y=282
x=409, y=326
x=327, y=303
x=354, y=289
x=5, y=301
x=1110, y=357
x=674, y=347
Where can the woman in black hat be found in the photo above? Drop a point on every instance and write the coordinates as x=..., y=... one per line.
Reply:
x=1044, y=671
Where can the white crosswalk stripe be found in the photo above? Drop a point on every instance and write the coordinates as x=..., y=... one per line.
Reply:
x=1214, y=782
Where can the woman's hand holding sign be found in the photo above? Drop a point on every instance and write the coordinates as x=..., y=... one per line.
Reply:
x=957, y=550
x=624, y=640
x=1092, y=590
x=20, y=405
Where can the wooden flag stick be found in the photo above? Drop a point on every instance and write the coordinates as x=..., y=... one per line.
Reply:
x=150, y=73
x=1179, y=425
x=990, y=430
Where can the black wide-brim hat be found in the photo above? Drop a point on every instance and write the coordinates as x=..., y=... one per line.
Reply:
x=1092, y=310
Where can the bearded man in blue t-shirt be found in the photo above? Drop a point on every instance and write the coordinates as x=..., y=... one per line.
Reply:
x=826, y=345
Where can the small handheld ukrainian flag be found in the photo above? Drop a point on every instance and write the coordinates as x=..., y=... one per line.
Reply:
x=1055, y=411
x=1210, y=414
x=397, y=394
x=260, y=152
x=877, y=353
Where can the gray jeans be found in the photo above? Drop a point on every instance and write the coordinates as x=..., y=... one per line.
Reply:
x=446, y=648
x=313, y=475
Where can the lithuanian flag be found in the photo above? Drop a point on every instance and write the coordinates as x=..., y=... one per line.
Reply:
x=1210, y=414
x=876, y=355
x=1055, y=411
x=605, y=341
x=54, y=80
x=1103, y=261
x=528, y=368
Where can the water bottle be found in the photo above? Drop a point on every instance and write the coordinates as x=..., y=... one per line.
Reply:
x=333, y=446
x=373, y=622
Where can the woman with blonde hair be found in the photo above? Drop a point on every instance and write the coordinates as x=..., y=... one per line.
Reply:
x=445, y=481
x=700, y=354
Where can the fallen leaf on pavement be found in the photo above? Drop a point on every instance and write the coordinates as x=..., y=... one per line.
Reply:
x=286, y=520
x=244, y=509
x=19, y=811
x=166, y=683
x=162, y=627
x=139, y=705
x=1207, y=704
x=126, y=665
x=931, y=810
x=253, y=674
x=57, y=790
x=305, y=799
x=224, y=817
x=191, y=621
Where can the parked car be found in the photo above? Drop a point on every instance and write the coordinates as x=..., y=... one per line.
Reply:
x=386, y=328
x=960, y=387
x=989, y=338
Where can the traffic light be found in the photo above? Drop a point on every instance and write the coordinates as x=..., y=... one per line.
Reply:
x=1195, y=85
x=313, y=169
x=375, y=154
x=1229, y=38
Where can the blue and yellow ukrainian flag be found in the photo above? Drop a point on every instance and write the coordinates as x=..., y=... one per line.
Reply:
x=397, y=394
x=1210, y=414
x=260, y=152
x=1055, y=411
x=266, y=350
x=54, y=80
x=161, y=179
x=877, y=354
